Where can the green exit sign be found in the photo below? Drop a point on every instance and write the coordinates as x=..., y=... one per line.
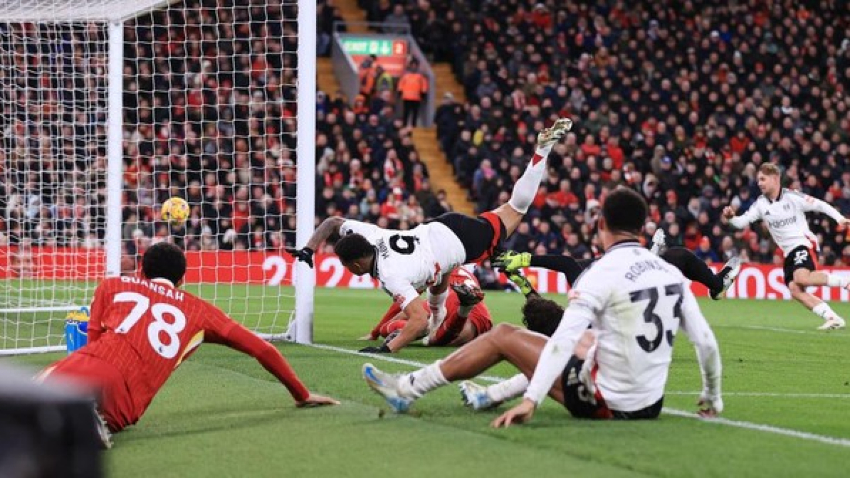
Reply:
x=364, y=45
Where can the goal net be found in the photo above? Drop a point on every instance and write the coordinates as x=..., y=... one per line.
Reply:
x=203, y=107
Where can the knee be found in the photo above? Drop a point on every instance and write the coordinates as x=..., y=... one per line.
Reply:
x=503, y=331
x=796, y=290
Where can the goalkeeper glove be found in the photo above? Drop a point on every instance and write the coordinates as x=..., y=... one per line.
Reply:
x=522, y=282
x=510, y=261
x=383, y=349
x=304, y=255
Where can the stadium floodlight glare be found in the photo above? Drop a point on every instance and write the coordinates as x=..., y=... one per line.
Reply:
x=109, y=107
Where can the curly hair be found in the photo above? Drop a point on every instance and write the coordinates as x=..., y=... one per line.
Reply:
x=541, y=315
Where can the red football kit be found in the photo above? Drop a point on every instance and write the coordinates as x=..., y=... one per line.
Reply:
x=141, y=330
x=479, y=316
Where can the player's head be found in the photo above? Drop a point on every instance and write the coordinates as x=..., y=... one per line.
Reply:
x=769, y=179
x=623, y=214
x=541, y=315
x=356, y=253
x=164, y=261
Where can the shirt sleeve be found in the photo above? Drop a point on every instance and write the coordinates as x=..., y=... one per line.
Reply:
x=811, y=204
x=752, y=215
x=585, y=306
x=698, y=331
x=97, y=313
x=350, y=226
x=225, y=331
x=402, y=291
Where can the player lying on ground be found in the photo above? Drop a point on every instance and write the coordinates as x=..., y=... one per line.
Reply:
x=683, y=259
x=408, y=262
x=784, y=212
x=633, y=303
x=142, y=329
x=467, y=317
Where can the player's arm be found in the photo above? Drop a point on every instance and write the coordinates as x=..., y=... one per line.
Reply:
x=326, y=229
x=97, y=314
x=554, y=357
x=696, y=328
x=752, y=215
x=812, y=204
x=237, y=337
x=413, y=307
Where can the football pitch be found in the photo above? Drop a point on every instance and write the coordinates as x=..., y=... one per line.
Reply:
x=786, y=392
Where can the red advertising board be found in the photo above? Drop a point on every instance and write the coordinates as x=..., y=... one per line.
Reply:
x=756, y=281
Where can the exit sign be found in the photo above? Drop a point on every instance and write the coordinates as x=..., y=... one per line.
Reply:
x=366, y=45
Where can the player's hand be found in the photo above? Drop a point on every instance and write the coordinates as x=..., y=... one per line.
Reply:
x=304, y=255
x=709, y=406
x=316, y=401
x=728, y=212
x=519, y=414
x=510, y=261
x=522, y=282
x=383, y=349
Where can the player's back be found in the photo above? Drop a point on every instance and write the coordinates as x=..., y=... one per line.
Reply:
x=640, y=299
x=145, y=329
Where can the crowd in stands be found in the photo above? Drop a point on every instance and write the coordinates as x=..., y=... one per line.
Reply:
x=679, y=100
x=210, y=116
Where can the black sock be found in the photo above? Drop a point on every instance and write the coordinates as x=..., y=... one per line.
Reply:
x=563, y=264
x=693, y=268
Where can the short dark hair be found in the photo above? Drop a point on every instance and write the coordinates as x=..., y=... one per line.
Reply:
x=625, y=210
x=164, y=261
x=352, y=247
x=541, y=315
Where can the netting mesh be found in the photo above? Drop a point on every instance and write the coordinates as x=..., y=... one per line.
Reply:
x=208, y=115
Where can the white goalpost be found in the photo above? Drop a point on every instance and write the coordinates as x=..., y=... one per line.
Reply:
x=110, y=107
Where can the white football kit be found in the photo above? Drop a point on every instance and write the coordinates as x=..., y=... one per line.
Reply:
x=786, y=218
x=407, y=262
x=635, y=302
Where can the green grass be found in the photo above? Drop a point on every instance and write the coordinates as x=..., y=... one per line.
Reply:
x=222, y=415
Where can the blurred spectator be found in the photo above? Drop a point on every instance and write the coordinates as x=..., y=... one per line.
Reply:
x=413, y=87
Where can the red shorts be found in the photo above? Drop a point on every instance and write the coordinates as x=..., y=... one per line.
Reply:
x=115, y=402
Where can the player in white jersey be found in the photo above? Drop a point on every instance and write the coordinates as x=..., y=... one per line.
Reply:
x=408, y=262
x=633, y=303
x=783, y=211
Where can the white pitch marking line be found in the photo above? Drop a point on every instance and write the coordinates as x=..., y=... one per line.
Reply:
x=780, y=329
x=670, y=411
x=767, y=394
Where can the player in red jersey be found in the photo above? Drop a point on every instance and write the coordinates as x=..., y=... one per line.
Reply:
x=142, y=329
x=467, y=317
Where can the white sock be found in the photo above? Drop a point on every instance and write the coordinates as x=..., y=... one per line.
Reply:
x=526, y=186
x=422, y=381
x=837, y=281
x=508, y=389
x=437, y=302
x=824, y=311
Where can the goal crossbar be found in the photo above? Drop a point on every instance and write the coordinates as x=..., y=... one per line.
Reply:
x=39, y=11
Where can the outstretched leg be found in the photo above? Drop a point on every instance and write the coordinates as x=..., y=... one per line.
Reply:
x=526, y=186
x=696, y=270
x=505, y=342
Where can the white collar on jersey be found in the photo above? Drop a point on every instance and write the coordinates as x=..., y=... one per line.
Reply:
x=624, y=243
x=162, y=280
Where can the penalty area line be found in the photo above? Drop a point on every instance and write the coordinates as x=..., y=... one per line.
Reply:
x=669, y=411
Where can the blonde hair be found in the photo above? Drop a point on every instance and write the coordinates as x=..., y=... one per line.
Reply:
x=770, y=169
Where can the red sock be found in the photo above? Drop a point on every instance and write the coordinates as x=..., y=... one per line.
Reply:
x=391, y=326
x=449, y=329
